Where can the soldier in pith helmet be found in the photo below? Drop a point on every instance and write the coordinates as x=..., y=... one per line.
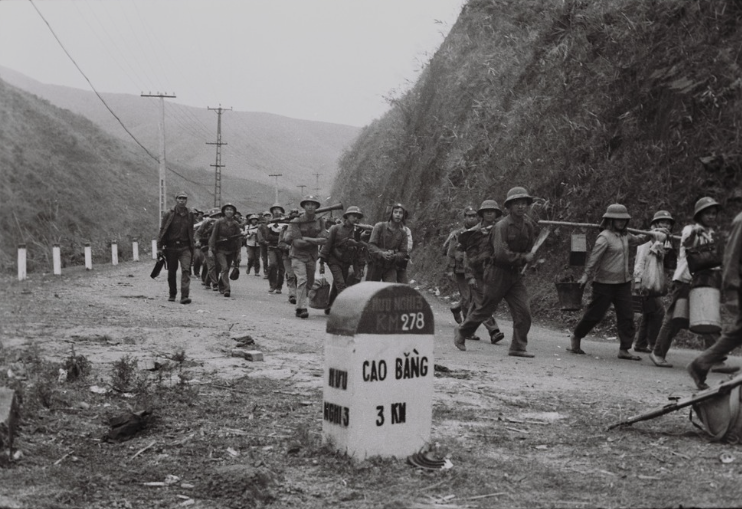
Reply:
x=176, y=241
x=305, y=235
x=340, y=251
x=388, y=246
x=271, y=233
x=512, y=239
x=225, y=245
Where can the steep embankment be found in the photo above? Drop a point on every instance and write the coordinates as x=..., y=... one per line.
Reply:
x=63, y=180
x=584, y=103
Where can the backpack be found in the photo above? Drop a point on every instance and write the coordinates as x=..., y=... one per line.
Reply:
x=720, y=416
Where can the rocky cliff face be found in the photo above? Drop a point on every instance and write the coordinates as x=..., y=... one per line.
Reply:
x=583, y=103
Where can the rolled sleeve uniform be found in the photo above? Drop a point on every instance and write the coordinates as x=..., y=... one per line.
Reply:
x=609, y=262
x=304, y=258
x=511, y=240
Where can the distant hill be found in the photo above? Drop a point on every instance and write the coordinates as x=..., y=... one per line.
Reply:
x=64, y=180
x=258, y=144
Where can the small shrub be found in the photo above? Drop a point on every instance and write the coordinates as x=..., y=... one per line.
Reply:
x=124, y=374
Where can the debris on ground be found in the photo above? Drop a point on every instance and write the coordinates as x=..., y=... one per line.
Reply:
x=250, y=355
x=125, y=426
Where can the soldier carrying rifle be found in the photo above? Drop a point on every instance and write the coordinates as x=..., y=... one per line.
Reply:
x=224, y=245
x=341, y=251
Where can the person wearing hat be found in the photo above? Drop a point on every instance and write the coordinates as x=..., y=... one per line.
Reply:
x=476, y=244
x=304, y=235
x=263, y=241
x=271, y=234
x=340, y=251
x=608, y=265
x=732, y=294
x=176, y=241
x=693, y=236
x=455, y=264
x=252, y=244
x=225, y=245
x=387, y=246
x=202, y=235
x=653, y=310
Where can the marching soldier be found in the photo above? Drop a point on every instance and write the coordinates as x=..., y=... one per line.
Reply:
x=512, y=239
x=176, y=240
x=224, y=245
x=266, y=216
x=272, y=232
x=203, y=233
x=455, y=264
x=283, y=247
x=478, y=251
x=340, y=252
x=388, y=246
x=305, y=235
x=252, y=244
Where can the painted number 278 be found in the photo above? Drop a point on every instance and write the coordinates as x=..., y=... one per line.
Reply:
x=412, y=321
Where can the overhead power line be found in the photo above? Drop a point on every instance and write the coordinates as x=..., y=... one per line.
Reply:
x=121, y=123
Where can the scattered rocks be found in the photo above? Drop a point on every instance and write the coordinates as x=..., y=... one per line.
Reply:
x=125, y=426
x=250, y=355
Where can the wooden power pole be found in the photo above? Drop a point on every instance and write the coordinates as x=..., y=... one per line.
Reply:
x=218, y=165
x=276, y=175
x=163, y=167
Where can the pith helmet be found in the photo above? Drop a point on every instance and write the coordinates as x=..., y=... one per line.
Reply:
x=181, y=195
x=516, y=193
x=703, y=204
x=253, y=216
x=215, y=212
x=398, y=206
x=229, y=205
x=489, y=205
x=662, y=215
x=309, y=199
x=278, y=206
x=267, y=213
x=616, y=211
x=468, y=209
x=353, y=210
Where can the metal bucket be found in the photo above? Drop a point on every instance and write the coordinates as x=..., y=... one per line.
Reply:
x=570, y=296
x=704, y=302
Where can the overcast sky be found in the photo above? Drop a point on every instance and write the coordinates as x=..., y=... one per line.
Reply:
x=325, y=60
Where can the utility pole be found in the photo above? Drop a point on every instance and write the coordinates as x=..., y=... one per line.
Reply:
x=163, y=167
x=316, y=189
x=218, y=166
x=276, y=175
x=302, y=189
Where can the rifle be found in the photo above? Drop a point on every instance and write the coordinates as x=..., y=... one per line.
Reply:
x=231, y=237
x=723, y=388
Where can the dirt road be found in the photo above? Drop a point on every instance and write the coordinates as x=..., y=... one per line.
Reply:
x=536, y=426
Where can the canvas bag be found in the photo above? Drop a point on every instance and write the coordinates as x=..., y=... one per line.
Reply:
x=653, y=282
x=720, y=416
x=319, y=294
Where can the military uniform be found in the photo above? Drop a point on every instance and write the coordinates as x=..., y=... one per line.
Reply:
x=340, y=253
x=177, y=242
x=252, y=245
x=225, y=243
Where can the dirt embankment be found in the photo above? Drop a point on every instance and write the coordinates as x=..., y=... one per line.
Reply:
x=230, y=433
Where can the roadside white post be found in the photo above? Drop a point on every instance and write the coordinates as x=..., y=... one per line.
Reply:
x=378, y=376
x=135, y=249
x=88, y=257
x=114, y=253
x=57, y=259
x=21, y=262
x=154, y=250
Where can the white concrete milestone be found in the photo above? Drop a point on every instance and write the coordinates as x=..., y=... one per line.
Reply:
x=378, y=377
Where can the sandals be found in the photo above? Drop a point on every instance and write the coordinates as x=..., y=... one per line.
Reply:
x=660, y=362
x=578, y=351
x=622, y=354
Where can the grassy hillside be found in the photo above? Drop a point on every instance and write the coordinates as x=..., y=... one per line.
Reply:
x=63, y=180
x=584, y=103
x=258, y=144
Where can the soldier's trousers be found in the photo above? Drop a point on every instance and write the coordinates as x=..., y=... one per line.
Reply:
x=264, y=257
x=339, y=273
x=253, y=259
x=604, y=295
x=276, y=270
x=653, y=311
x=304, y=280
x=175, y=256
x=502, y=284
x=476, y=299
x=290, y=276
x=225, y=260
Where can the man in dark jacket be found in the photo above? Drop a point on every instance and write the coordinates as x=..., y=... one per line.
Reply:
x=271, y=234
x=176, y=241
x=387, y=246
x=340, y=251
x=210, y=277
x=225, y=244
